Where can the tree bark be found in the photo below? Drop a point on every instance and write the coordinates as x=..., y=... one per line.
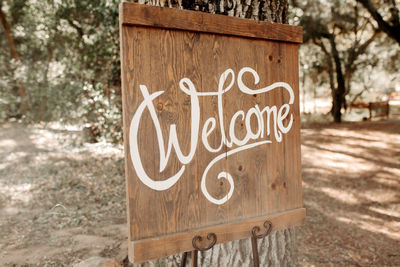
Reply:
x=278, y=248
x=15, y=56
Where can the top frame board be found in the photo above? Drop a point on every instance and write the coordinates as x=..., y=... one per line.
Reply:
x=211, y=127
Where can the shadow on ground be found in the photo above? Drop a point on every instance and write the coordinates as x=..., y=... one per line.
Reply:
x=62, y=201
x=351, y=189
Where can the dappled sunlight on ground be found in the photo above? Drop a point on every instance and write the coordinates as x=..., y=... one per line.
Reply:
x=17, y=193
x=62, y=200
x=56, y=191
x=351, y=189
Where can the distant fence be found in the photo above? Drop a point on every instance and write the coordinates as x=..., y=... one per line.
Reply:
x=376, y=109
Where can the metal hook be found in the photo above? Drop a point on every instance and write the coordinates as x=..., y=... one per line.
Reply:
x=256, y=229
x=197, y=238
x=255, y=236
x=210, y=236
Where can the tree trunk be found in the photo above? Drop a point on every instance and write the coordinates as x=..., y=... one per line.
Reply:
x=337, y=106
x=15, y=56
x=339, y=92
x=278, y=248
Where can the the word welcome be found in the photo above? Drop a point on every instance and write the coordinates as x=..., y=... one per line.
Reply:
x=268, y=118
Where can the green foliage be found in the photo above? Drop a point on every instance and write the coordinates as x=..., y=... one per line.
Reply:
x=104, y=112
x=68, y=63
x=69, y=58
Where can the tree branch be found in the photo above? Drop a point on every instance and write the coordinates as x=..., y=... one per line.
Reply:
x=393, y=30
x=76, y=27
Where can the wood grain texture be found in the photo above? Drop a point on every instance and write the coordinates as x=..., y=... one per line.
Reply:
x=161, y=247
x=170, y=18
x=267, y=178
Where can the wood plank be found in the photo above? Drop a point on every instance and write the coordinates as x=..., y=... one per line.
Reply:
x=264, y=182
x=171, y=18
x=148, y=249
x=266, y=173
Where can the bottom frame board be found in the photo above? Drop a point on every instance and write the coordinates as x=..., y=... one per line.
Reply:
x=148, y=249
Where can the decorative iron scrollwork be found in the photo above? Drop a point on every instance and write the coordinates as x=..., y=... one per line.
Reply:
x=256, y=230
x=255, y=236
x=211, y=236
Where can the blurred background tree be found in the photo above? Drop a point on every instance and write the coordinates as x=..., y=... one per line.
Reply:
x=343, y=34
x=386, y=15
x=345, y=53
x=61, y=63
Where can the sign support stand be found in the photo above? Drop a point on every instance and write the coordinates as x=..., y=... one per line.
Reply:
x=184, y=256
x=195, y=240
x=213, y=237
x=255, y=236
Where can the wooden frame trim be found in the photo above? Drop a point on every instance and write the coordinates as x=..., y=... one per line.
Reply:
x=148, y=249
x=171, y=18
x=138, y=15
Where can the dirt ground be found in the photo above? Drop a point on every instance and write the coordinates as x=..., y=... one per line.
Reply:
x=63, y=201
x=351, y=189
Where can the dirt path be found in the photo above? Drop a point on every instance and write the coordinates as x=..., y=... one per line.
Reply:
x=62, y=201
x=351, y=189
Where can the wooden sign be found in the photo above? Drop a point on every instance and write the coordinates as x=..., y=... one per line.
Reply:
x=211, y=124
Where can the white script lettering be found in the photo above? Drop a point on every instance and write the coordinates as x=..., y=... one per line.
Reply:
x=267, y=117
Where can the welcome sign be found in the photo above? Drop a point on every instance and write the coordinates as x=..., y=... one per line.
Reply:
x=211, y=127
